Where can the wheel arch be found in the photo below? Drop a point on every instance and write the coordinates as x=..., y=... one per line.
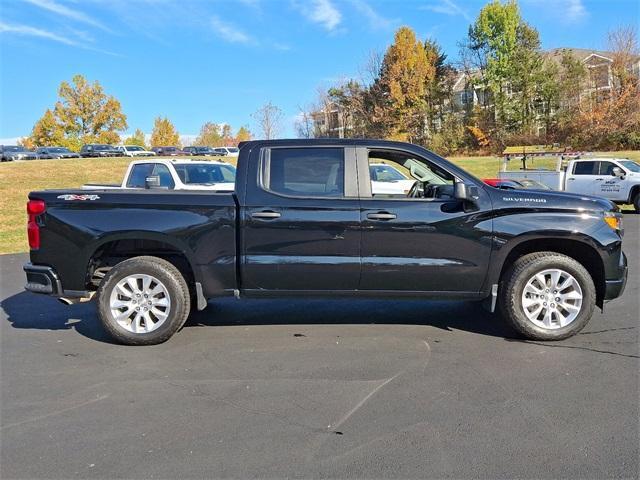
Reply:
x=113, y=249
x=580, y=251
x=635, y=190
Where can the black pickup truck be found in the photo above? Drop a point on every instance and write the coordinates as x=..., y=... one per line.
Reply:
x=306, y=219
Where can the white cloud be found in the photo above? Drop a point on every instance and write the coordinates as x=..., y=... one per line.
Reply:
x=376, y=20
x=229, y=33
x=67, y=12
x=447, y=7
x=575, y=10
x=28, y=31
x=322, y=12
x=565, y=11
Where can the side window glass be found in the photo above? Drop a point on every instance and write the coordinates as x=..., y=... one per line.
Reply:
x=165, y=175
x=228, y=174
x=585, y=168
x=305, y=172
x=139, y=174
x=401, y=175
x=606, y=168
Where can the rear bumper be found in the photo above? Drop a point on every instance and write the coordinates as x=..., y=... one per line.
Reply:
x=43, y=279
x=615, y=288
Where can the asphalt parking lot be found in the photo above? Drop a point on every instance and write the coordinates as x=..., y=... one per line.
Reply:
x=265, y=388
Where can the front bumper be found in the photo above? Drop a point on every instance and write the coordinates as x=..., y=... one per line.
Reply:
x=615, y=288
x=43, y=279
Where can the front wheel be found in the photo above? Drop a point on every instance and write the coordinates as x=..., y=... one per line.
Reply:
x=143, y=301
x=547, y=296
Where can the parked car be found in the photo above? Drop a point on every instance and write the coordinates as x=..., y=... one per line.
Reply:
x=503, y=183
x=199, y=151
x=617, y=179
x=9, y=153
x=522, y=183
x=168, y=151
x=99, y=150
x=134, y=151
x=220, y=151
x=230, y=151
x=174, y=175
x=56, y=152
x=302, y=221
x=530, y=184
x=387, y=180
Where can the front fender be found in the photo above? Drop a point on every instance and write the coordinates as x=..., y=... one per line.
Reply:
x=557, y=231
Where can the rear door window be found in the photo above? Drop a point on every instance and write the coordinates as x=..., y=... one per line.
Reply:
x=585, y=168
x=304, y=172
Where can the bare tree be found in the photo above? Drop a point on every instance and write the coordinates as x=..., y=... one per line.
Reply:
x=623, y=42
x=304, y=123
x=269, y=118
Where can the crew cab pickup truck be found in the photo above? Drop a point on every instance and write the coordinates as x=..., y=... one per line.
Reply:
x=303, y=221
x=174, y=175
x=617, y=179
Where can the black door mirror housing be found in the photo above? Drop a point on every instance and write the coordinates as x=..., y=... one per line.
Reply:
x=465, y=191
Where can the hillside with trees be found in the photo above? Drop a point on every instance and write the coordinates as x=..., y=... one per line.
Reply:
x=504, y=90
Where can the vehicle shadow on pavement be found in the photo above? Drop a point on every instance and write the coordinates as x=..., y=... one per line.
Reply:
x=445, y=315
x=27, y=311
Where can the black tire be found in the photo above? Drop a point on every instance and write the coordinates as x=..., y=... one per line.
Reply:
x=513, y=284
x=636, y=202
x=172, y=280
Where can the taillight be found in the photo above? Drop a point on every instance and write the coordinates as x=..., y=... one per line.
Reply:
x=34, y=208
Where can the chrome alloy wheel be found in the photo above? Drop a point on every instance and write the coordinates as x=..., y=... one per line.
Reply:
x=552, y=299
x=140, y=303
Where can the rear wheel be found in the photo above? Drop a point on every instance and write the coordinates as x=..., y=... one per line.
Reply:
x=143, y=301
x=547, y=296
x=636, y=202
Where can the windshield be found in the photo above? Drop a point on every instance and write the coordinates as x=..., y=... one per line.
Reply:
x=134, y=148
x=59, y=150
x=15, y=149
x=202, y=174
x=385, y=173
x=102, y=147
x=631, y=165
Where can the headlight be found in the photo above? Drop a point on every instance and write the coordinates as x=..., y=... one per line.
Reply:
x=614, y=220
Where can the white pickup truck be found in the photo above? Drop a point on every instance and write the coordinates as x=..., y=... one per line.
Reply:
x=617, y=179
x=175, y=175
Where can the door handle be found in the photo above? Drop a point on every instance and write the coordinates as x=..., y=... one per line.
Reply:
x=381, y=216
x=266, y=215
x=571, y=179
x=599, y=179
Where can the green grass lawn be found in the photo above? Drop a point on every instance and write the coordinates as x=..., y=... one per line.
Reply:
x=17, y=179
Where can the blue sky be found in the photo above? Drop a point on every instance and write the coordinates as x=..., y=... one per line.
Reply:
x=219, y=60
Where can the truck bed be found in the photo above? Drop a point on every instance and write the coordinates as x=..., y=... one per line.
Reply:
x=79, y=223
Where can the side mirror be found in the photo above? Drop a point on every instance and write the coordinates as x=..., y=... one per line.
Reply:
x=152, y=181
x=464, y=191
x=617, y=172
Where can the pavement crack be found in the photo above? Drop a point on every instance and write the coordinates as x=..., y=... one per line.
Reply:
x=57, y=412
x=577, y=347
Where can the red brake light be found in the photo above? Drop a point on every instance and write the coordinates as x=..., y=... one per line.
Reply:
x=34, y=208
